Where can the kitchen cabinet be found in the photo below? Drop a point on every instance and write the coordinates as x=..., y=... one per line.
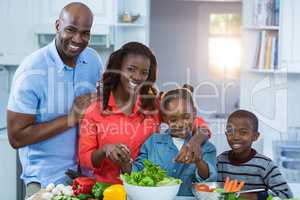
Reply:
x=17, y=39
x=8, y=172
x=48, y=11
x=126, y=31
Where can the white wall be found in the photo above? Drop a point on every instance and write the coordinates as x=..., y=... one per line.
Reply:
x=179, y=37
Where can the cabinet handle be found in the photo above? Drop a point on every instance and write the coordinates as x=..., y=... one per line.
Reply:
x=283, y=64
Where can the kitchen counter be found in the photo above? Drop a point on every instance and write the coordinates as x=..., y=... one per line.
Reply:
x=185, y=198
x=38, y=196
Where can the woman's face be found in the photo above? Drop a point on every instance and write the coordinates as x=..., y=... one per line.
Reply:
x=135, y=70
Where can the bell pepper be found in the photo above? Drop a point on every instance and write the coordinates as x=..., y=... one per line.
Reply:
x=114, y=192
x=83, y=185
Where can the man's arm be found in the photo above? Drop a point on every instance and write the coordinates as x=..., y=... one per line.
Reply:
x=23, y=130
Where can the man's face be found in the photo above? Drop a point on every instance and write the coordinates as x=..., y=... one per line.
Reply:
x=240, y=134
x=73, y=34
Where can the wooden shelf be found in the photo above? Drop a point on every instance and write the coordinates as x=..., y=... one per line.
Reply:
x=130, y=25
x=272, y=71
x=261, y=28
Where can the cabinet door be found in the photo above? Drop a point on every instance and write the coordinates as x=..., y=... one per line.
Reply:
x=289, y=34
x=102, y=10
x=16, y=41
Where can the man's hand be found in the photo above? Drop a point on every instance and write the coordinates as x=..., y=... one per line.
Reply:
x=117, y=153
x=79, y=106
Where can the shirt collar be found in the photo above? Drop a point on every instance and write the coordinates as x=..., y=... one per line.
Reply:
x=167, y=138
x=114, y=107
x=58, y=61
x=232, y=157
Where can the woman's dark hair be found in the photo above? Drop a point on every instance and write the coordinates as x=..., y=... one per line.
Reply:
x=180, y=93
x=111, y=75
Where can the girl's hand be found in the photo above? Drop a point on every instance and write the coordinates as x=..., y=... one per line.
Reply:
x=190, y=152
x=189, y=155
x=117, y=153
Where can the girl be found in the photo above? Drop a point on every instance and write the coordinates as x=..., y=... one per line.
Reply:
x=179, y=113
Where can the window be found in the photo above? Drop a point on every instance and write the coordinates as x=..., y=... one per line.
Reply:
x=225, y=44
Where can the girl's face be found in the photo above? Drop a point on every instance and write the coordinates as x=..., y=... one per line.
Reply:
x=179, y=115
x=240, y=134
x=135, y=70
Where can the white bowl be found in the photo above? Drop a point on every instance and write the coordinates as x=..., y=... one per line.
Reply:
x=207, y=195
x=151, y=193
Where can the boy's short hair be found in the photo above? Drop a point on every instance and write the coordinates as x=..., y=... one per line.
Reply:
x=245, y=114
x=180, y=93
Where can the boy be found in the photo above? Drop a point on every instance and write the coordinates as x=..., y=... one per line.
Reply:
x=179, y=112
x=244, y=163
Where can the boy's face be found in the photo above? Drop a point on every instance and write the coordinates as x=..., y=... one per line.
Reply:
x=240, y=134
x=179, y=115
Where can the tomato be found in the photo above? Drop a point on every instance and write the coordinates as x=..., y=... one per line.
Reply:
x=202, y=188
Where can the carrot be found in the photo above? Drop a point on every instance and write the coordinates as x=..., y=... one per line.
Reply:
x=229, y=186
x=226, y=184
x=234, y=186
x=240, y=186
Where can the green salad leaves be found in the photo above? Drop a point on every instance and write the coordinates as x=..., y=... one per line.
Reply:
x=152, y=175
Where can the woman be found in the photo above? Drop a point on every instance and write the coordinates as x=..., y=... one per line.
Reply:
x=115, y=127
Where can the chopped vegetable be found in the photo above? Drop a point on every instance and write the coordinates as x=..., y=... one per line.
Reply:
x=202, y=188
x=98, y=189
x=84, y=196
x=114, y=192
x=62, y=197
x=152, y=175
x=83, y=185
x=233, y=185
x=240, y=186
x=226, y=184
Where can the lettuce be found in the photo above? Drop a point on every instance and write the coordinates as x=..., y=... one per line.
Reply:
x=151, y=175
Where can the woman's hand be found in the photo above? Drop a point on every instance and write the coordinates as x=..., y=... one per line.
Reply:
x=117, y=153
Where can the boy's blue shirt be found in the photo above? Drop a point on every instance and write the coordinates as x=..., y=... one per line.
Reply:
x=160, y=149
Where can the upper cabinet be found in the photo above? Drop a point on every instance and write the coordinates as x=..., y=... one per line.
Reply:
x=289, y=34
x=48, y=11
x=131, y=22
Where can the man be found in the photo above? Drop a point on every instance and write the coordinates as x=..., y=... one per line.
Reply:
x=51, y=89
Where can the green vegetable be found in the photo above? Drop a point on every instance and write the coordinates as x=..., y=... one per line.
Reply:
x=152, y=175
x=98, y=189
x=64, y=197
x=169, y=181
x=84, y=196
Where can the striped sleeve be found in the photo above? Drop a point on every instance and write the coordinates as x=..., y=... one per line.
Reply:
x=275, y=181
